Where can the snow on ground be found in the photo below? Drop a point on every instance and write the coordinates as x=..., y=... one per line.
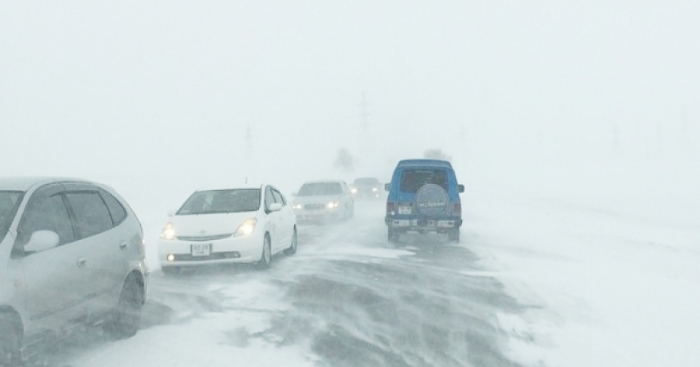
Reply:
x=611, y=271
x=606, y=258
x=238, y=336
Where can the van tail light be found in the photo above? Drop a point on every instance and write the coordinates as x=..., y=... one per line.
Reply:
x=458, y=209
x=390, y=207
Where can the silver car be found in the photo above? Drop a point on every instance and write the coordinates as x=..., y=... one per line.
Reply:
x=319, y=201
x=70, y=251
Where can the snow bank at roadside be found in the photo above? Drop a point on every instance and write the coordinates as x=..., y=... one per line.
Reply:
x=607, y=258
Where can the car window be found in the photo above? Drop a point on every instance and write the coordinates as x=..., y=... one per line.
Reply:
x=320, y=188
x=116, y=210
x=366, y=182
x=91, y=213
x=269, y=198
x=9, y=202
x=414, y=179
x=279, y=198
x=46, y=213
x=221, y=201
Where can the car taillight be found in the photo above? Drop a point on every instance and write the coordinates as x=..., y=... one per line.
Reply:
x=390, y=208
x=458, y=209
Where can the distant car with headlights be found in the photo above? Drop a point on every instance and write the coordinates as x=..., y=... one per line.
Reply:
x=70, y=251
x=248, y=224
x=366, y=188
x=323, y=201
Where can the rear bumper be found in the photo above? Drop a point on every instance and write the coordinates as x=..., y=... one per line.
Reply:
x=423, y=224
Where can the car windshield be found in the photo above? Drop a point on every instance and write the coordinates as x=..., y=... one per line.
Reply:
x=9, y=201
x=413, y=179
x=320, y=189
x=366, y=182
x=221, y=201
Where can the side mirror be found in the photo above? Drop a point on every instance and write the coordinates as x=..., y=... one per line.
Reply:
x=42, y=240
x=460, y=187
x=275, y=207
x=387, y=186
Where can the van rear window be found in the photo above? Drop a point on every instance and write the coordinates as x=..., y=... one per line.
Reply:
x=413, y=179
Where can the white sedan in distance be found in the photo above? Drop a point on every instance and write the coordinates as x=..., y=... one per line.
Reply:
x=228, y=225
x=322, y=201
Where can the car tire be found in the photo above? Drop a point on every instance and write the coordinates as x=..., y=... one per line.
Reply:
x=293, y=246
x=266, y=256
x=453, y=235
x=392, y=235
x=10, y=342
x=126, y=318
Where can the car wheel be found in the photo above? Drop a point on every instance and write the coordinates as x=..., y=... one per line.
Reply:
x=266, y=257
x=10, y=342
x=125, y=320
x=392, y=235
x=293, y=246
x=453, y=235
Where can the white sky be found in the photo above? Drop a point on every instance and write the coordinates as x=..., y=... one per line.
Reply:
x=155, y=97
x=166, y=88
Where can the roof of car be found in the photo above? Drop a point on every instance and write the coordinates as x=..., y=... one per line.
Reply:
x=25, y=183
x=230, y=186
x=424, y=162
x=323, y=181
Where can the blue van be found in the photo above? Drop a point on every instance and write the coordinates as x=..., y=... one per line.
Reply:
x=423, y=197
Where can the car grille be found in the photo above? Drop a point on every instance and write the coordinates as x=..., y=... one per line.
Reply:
x=204, y=238
x=314, y=206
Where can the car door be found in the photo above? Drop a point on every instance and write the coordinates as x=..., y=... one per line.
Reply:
x=272, y=219
x=52, y=277
x=285, y=219
x=102, y=247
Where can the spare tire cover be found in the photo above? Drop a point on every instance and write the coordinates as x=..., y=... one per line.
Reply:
x=431, y=200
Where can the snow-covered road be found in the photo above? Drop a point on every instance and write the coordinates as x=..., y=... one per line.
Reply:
x=533, y=283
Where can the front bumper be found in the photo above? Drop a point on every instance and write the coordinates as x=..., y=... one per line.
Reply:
x=320, y=215
x=244, y=249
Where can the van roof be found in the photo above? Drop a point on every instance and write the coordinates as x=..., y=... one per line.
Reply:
x=424, y=163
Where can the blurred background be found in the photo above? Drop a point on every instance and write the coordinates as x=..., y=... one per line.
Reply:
x=158, y=98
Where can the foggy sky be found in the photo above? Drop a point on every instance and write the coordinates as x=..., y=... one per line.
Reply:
x=169, y=88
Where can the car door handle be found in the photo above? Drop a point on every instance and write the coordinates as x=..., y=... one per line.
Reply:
x=123, y=245
x=81, y=262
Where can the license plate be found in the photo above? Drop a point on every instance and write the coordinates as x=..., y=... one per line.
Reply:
x=404, y=210
x=200, y=249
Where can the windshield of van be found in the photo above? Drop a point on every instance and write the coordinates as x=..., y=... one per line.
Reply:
x=413, y=179
x=9, y=202
x=221, y=201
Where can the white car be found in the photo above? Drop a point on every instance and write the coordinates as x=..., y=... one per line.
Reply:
x=70, y=251
x=324, y=200
x=229, y=225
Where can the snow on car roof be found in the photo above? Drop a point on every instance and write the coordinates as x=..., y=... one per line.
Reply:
x=231, y=185
x=25, y=183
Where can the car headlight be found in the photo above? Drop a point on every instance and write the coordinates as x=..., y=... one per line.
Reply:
x=297, y=206
x=168, y=232
x=374, y=189
x=332, y=205
x=353, y=190
x=246, y=228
